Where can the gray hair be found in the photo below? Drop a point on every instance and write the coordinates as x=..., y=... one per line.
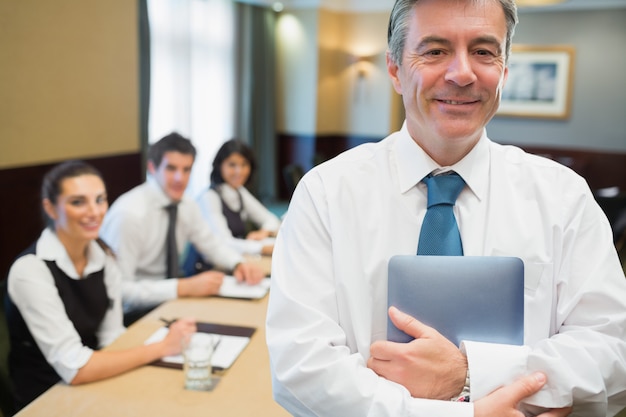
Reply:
x=399, y=26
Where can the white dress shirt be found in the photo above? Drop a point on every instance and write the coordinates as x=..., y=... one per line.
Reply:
x=211, y=207
x=34, y=292
x=328, y=298
x=136, y=228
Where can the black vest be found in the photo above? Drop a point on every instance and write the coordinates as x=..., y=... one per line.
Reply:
x=233, y=218
x=86, y=303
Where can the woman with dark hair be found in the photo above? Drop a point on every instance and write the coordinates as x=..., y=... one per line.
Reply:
x=231, y=210
x=64, y=300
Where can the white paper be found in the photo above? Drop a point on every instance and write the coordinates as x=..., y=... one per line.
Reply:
x=233, y=289
x=228, y=349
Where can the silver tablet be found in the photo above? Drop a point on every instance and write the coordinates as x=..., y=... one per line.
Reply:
x=477, y=298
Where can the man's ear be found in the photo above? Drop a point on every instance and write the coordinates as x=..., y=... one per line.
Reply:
x=151, y=167
x=392, y=69
x=49, y=208
x=506, y=76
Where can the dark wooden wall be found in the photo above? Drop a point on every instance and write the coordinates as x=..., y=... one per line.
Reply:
x=20, y=211
x=601, y=169
x=306, y=151
x=21, y=219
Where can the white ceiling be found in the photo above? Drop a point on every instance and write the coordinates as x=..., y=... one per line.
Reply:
x=385, y=5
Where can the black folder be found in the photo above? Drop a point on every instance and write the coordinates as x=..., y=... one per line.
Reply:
x=221, y=329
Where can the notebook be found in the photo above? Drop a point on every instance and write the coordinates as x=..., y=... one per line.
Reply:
x=476, y=298
x=232, y=289
x=232, y=341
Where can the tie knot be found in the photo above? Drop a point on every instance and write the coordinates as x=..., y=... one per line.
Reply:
x=172, y=208
x=443, y=189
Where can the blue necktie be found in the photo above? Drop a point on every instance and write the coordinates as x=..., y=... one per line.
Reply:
x=440, y=233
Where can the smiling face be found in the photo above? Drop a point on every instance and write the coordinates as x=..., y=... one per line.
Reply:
x=79, y=208
x=173, y=173
x=235, y=170
x=452, y=74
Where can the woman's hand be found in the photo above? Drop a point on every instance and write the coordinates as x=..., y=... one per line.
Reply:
x=179, y=330
x=267, y=250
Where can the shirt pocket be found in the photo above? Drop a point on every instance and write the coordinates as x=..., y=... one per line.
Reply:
x=534, y=272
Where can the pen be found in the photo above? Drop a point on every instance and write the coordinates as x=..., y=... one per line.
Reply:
x=166, y=321
x=216, y=344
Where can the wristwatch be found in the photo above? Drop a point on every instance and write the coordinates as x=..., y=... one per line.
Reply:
x=464, y=396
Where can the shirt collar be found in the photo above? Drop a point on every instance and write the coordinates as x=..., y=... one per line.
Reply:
x=50, y=248
x=227, y=188
x=158, y=197
x=414, y=164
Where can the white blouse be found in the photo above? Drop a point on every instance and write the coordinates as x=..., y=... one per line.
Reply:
x=33, y=291
x=253, y=210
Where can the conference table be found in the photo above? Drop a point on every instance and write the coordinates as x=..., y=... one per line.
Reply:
x=244, y=389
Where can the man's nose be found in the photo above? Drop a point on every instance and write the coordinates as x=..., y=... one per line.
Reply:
x=460, y=70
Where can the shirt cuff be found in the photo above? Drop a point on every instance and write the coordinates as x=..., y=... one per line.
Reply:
x=72, y=362
x=147, y=293
x=236, y=263
x=169, y=291
x=254, y=247
x=493, y=365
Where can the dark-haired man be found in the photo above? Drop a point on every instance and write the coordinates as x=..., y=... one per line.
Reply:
x=136, y=227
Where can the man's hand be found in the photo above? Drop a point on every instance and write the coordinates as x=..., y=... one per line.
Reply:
x=429, y=367
x=259, y=234
x=503, y=402
x=248, y=272
x=200, y=285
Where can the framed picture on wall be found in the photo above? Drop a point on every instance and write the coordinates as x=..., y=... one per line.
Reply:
x=539, y=84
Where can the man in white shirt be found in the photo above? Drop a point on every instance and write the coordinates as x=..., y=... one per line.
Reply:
x=327, y=315
x=136, y=227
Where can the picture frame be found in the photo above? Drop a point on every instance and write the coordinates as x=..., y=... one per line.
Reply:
x=539, y=83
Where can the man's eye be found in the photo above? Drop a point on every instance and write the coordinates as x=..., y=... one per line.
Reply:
x=76, y=202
